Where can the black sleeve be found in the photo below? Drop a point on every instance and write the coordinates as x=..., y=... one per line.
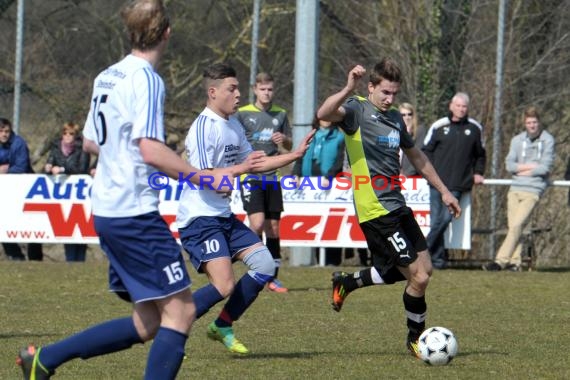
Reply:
x=297, y=167
x=430, y=146
x=78, y=164
x=480, y=156
x=51, y=156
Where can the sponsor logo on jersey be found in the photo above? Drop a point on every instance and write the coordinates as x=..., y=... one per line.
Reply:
x=263, y=135
x=392, y=140
x=231, y=148
x=103, y=84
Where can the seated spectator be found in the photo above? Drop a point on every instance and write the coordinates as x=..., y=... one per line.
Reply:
x=67, y=157
x=15, y=159
x=324, y=158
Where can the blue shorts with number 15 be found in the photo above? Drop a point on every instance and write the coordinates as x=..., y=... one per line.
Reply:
x=145, y=262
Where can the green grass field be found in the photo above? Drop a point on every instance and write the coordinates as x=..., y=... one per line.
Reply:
x=509, y=326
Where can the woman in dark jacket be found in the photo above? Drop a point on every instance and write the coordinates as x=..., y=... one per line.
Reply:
x=67, y=157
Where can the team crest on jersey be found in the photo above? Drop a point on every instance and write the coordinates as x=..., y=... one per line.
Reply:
x=275, y=122
x=263, y=135
x=392, y=140
x=467, y=132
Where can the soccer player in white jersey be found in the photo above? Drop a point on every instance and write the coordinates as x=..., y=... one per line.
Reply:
x=209, y=232
x=125, y=127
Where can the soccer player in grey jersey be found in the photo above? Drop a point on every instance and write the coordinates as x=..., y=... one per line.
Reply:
x=266, y=128
x=375, y=133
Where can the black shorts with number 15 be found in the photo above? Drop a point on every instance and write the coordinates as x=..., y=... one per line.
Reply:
x=395, y=239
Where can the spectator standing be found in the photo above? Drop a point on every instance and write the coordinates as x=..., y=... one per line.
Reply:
x=67, y=157
x=266, y=128
x=324, y=158
x=416, y=131
x=15, y=159
x=454, y=145
x=530, y=160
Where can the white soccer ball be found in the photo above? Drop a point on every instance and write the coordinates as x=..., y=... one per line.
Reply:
x=437, y=345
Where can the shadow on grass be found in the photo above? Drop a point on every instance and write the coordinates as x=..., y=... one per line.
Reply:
x=27, y=335
x=306, y=355
x=554, y=270
x=280, y=355
x=309, y=289
x=482, y=352
x=309, y=355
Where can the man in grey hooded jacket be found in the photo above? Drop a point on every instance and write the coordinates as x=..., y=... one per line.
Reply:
x=530, y=160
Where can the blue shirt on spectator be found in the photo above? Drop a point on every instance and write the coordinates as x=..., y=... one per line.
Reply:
x=15, y=153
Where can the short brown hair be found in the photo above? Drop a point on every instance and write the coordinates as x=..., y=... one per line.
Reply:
x=146, y=22
x=531, y=111
x=385, y=69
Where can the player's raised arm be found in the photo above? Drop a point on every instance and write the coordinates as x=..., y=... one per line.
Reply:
x=276, y=162
x=331, y=109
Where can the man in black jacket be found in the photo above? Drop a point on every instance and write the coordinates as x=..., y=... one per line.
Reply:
x=454, y=145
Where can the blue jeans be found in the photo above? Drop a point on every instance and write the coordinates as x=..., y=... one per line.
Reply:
x=439, y=220
x=75, y=252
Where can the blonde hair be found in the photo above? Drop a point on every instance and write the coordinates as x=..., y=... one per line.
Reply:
x=70, y=127
x=410, y=107
x=263, y=78
x=146, y=21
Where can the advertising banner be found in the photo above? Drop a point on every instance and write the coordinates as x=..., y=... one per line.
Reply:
x=57, y=209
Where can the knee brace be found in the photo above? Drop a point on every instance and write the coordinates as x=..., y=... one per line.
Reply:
x=261, y=265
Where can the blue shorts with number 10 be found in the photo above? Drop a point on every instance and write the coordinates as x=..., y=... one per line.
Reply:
x=211, y=237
